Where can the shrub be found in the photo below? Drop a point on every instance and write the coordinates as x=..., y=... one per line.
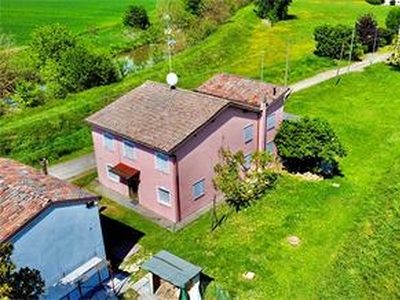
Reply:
x=309, y=145
x=274, y=10
x=367, y=32
x=50, y=42
x=393, y=20
x=385, y=37
x=136, y=17
x=335, y=42
x=29, y=94
x=375, y=2
x=194, y=6
x=395, y=57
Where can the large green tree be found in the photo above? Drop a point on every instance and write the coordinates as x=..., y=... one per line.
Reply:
x=274, y=10
x=25, y=283
x=136, y=17
x=243, y=180
x=309, y=145
x=393, y=20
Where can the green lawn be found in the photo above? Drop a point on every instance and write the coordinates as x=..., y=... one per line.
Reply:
x=235, y=48
x=20, y=17
x=350, y=241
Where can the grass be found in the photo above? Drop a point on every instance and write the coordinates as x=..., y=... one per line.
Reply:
x=349, y=234
x=235, y=48
x=20, y=17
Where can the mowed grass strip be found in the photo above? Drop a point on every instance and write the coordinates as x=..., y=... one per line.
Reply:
x=348, y=233
x=20, y=17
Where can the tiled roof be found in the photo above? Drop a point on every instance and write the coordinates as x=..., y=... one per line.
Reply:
x=237, y=88
x=157, y=116
x=25, y=192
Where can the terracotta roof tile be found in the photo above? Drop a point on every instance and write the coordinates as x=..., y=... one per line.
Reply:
x=240, y=89
x=25, y=192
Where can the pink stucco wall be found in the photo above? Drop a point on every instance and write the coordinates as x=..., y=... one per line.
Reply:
x=198, y=156
x=150, y=178
x=193, y=161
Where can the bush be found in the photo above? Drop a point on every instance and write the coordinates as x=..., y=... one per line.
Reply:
x=393, y=20
x=309, y=145
x=136, y=17
x=29, y=94
x=367, y=32
x=274, y=10
x=385, y=37
x=335, y=42
x=375, y=2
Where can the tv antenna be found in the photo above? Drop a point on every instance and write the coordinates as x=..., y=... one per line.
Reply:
x=172, y=78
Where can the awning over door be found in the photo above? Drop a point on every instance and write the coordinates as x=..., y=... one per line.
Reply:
x=124, y=171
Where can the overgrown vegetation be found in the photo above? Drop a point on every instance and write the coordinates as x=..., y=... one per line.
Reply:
x=25, y=283
x=243, y=181
x=393, y=20
x=309, y=145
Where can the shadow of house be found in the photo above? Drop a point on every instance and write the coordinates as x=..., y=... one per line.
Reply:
x=119, y=239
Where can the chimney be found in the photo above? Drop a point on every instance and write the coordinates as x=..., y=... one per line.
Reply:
x=44, y=163
x=274, y=90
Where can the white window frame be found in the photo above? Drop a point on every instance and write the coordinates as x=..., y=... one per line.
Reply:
x=203, y=180
x=271, y=117
x=128, y=144
x=160, y=188
x=111, y=175
x=110, y=144
x=160, y=155
x=246, y=141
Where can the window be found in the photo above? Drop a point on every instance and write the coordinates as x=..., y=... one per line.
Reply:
x=162, y=162
x=108, y=140
x=271, y=121
x=248, y=133
x=111, y=175
x=199, y=189
x=270, y=147
x=129, y=150
x=164, y=196
x=247, y=161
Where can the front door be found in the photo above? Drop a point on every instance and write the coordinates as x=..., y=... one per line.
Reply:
x=133, y=185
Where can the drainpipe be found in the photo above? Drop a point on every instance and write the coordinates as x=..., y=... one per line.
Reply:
x=262, y=126
x=178, y=200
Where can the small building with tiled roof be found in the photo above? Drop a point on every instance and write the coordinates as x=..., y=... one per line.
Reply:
x=158, y=145
x=54, y=227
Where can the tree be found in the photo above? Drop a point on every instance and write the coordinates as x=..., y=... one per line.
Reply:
x=309, y=145
x=241, y=181
x=25, y=283
x=136, y=17
x=395, y=57
x=335, y=42
x=393, y=20
x=50, y=42
x=78, y=69
x=367, y=31
x=194, y=6
x=8, y=74
x=274, y=10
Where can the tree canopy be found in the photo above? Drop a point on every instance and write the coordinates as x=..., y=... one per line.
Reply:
x=393, y=20
x=136, y=17
x=242, y=179
x=368, y=33
x=274, y=10
x=25, y=283
x=309, y=145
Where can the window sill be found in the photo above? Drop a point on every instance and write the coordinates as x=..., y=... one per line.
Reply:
x=199, y=197
x=165, y=204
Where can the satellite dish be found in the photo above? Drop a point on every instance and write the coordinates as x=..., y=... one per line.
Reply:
x=172, y=79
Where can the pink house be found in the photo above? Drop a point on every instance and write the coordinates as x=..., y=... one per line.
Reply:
x=158, y=144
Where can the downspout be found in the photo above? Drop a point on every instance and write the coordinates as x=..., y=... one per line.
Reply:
x=262, y=125
x=178, y=197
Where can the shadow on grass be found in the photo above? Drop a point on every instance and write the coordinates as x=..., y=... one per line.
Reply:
x=118, y=239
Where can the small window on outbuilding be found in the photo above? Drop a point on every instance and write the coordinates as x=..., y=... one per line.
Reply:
x=199, y=189
x=248, y=133
x=108, y=141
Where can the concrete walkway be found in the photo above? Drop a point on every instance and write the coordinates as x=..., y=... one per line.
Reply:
x=355, y=67
x=73, y=168
x=81, y=165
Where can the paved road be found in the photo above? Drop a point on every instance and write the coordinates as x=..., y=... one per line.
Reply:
x=74, y=167
x=355, y=67
x=81, y=165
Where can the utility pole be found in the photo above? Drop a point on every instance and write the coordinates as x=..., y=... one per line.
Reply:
x=351, y=47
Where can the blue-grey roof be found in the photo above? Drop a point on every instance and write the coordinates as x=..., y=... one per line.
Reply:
x=171, y=268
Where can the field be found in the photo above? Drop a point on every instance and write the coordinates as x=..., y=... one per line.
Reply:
x=20, y=17
x=349, y=234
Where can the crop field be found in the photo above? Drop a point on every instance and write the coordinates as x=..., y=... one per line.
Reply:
x=20, y=17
